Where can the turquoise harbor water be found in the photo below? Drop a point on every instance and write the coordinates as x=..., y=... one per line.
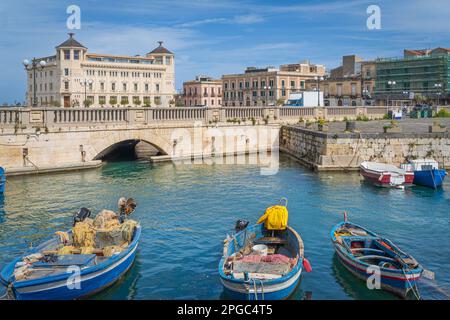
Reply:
x=187, y=210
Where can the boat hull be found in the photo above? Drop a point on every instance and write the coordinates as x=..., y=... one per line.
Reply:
x=399, y=282
x=246, y=291
x=394, y=283
x=430, y=178
x=91, y=280
x=385, y=179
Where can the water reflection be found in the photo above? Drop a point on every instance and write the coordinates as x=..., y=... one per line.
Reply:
x=354, y=287
x=186, y=211
x=2, y=210
x=125, y=287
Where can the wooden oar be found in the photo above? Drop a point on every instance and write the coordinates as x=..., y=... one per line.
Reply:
x=425, y=273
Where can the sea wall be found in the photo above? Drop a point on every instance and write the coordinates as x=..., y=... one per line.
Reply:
x=345, y=151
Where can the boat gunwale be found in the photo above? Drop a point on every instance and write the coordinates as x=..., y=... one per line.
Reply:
x=383, y=171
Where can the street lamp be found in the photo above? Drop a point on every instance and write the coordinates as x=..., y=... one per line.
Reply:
x=34, y=65
x=267, y=88
x=438, y=87
x=391, y=83
x=86, y=83
x=318, y=79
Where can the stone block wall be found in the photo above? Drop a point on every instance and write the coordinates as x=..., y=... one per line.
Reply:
x=344, y=151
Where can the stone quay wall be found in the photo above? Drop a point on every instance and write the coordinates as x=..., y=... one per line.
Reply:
x=346, y=151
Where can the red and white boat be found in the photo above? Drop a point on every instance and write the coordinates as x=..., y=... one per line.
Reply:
x=386, y=175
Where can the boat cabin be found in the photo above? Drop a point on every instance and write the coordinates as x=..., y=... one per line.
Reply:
x=421, y=165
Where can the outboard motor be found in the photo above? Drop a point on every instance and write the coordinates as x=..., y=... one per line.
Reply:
x=81, y=215
x=241, y=225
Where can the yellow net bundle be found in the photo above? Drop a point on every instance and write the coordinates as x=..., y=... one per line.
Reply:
x=104, y=233
x=275, y=218
x=66, y=250
x=110, y=250
x=83, y=234
x=105, y=219
x=127, y=229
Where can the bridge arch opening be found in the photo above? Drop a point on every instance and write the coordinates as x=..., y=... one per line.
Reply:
x=129, y=150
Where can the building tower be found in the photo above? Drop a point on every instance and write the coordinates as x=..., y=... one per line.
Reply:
x=164, y=57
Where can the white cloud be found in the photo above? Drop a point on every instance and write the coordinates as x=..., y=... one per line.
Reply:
x=240, y=19
x=248, y=19
x=201, y=22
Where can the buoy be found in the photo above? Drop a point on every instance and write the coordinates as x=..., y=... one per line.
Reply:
x=307, y=265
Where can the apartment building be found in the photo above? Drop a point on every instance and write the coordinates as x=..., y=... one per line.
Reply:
x=203, y=91
x=351, y=84
x=419, y=73
x=268, y=86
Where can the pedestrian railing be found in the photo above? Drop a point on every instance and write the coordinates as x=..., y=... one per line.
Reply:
x=22, y=117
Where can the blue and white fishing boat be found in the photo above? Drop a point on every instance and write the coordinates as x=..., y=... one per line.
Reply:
x=54, y=280
x=273, y=277
x=43, y=274
x=426, y=172
x=362, y=252
x=2, y=180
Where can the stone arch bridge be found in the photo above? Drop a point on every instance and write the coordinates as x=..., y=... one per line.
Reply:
x=40, y=139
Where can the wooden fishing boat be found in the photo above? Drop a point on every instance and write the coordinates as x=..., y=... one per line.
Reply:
x=426, y=172
x=386, y=175
x=249, y=276
x=54, y=280
x=88, y=258
x=362, y=251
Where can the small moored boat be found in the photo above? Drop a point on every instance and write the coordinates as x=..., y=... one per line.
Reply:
x=362, y=251
x=260, y=263
x=58, y=270
x=386, y=175
x=426, y=172
x=2, y=180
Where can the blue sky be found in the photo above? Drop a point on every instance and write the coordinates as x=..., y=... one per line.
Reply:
x=217, y=37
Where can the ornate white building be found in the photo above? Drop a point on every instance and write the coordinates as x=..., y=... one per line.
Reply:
x=75, y=77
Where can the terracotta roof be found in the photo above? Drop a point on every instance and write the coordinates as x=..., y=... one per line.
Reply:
x=160, y=49
x=443, y=49
x=71, y=42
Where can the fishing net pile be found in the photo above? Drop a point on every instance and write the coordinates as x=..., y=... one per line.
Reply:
x=103, y=235
x=109, y=233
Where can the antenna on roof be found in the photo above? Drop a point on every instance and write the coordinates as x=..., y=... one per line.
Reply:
x=160, y=43
x=71, y=34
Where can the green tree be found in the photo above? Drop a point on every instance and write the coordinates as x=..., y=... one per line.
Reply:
x=124, y=101
x=113, y=101
x=137, y=102
x=87, y=103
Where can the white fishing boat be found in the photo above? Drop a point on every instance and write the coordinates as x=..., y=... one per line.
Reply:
x=386, y=175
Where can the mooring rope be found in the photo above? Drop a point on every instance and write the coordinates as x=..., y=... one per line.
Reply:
x=413, y=288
